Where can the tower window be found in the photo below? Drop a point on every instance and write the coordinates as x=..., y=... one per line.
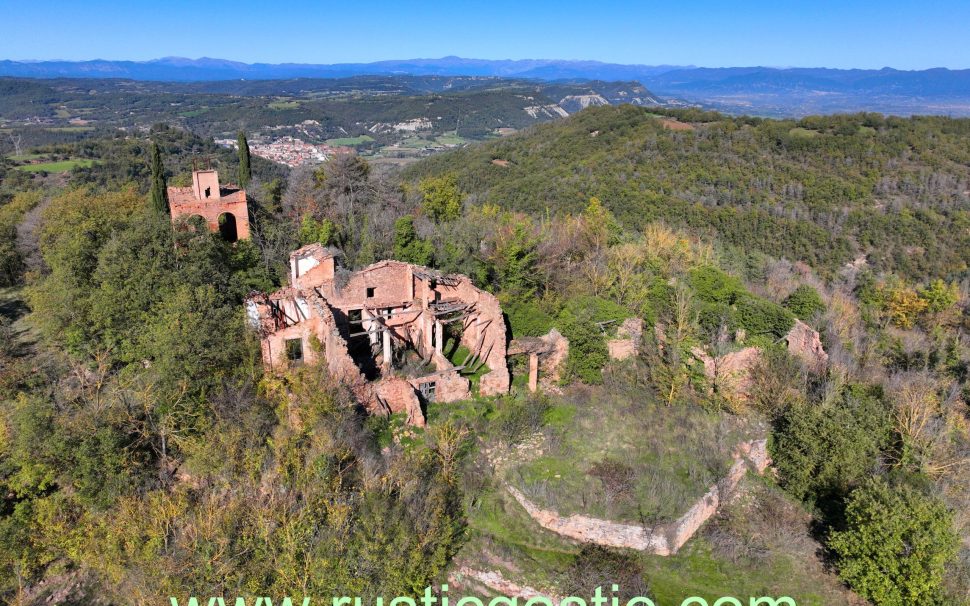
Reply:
x=208, y=192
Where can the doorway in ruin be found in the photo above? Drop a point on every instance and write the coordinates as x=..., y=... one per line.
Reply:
x=227, y=227
x=361, y=346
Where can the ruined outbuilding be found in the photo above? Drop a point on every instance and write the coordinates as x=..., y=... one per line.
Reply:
x=627, y=341
x=222, y=208
x=731, y=373
x=805, y=343
x=383, y=331
x=546, y=353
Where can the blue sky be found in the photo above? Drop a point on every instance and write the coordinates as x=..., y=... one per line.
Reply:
x=894, y=33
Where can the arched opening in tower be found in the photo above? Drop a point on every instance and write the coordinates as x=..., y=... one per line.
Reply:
x=227, y=227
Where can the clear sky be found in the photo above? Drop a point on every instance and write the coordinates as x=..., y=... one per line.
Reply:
x=823, y=33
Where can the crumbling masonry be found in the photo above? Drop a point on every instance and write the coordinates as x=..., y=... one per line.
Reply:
x=223, y=209
x=382, y=331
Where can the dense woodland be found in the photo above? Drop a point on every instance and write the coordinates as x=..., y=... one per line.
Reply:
x=824, y=191
x=145, y=452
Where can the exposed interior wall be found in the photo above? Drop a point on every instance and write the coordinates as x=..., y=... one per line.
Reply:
x=392, y=305
x=205, y=184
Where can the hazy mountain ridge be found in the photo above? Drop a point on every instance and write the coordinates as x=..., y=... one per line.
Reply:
x=758, y=90
x=205, y=68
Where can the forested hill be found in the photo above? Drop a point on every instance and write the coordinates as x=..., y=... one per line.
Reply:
x=823, y=190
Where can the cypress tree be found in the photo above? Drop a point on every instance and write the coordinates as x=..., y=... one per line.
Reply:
x=158, y=191
x=245, y=172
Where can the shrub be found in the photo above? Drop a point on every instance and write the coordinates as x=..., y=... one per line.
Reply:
x=597, y=566
x=588, y=353
x=322, y=232
x=526, y=319
x=805, y=302
x=896, y=544
x=617, y=477
x=759, y=316
x=822, y=452
x=711, y=285
x=521, y=418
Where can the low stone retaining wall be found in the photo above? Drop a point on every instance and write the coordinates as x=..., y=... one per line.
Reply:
x=664, y=539
x=494, y=580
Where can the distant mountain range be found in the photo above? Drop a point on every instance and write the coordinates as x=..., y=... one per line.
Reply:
x=760, y=90
x=179, y=69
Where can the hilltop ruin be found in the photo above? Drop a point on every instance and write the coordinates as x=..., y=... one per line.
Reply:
x=383, y=331
x=223, y=209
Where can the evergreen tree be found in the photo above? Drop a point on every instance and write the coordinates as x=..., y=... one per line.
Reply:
x=408, y=246
x=245, y=172
x=896, y=544
x=158, y=191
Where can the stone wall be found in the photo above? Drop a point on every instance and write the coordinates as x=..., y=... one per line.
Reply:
x=730, y=374
x=804, y=343
x=495, y=581
x=664, y=539
x=397, y=395
x=627, y=341
x=484, y=331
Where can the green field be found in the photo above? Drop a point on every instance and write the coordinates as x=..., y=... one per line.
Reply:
x=281, y=105
x=194, y=113
x=350, y=141
x=26, y=157
x=451, y=139
x=69, y=129
x=803, y=132
x=56, y=167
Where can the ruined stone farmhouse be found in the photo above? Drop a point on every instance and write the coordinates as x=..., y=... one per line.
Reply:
x=222, y=208
x=383, y=331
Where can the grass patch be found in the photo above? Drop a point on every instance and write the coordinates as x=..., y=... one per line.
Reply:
x=416, y=143
x=56, y=167
x=194, y=113
x=806, y=133
x=69, y=129
x=350, y=141
x=284, y=105
x=27, y=157
x=450, y=139
x=704, y=567
x=617, y=453
x=760, y=545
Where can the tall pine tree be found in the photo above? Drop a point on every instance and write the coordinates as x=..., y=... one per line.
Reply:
x=245, y=172
x=158, y=191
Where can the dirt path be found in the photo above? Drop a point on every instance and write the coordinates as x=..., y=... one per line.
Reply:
x=17, y=337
